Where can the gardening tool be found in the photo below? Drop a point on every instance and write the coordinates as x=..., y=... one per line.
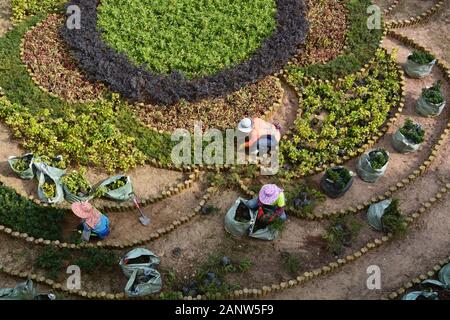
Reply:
x=143, y=218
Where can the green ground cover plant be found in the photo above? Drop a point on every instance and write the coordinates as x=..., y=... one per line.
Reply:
x=195, y=37
x=433, y=94
x=23, y=215
x=337, y=120
x=413, y=132
x=341, y=232
x=361, y=45
x=378, y=158
x=24, y=8
x=76, y=182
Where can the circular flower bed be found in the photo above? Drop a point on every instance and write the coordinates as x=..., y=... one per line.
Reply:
x=107, y=65
x=197, y=38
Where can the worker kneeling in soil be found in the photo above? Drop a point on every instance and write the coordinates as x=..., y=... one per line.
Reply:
x=262, y=136
x=270, y=204
x=93, y=221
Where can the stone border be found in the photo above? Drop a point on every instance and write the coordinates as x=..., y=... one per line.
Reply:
x=246, y=292
x=423, y=276
x=391, y=8
x=115, y=244
x=401, y=183
x=412, y=21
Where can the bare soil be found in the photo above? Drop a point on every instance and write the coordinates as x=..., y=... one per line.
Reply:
x=411, y=8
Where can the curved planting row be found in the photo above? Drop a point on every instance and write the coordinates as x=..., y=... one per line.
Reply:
x=394, y=24
x=106, y=65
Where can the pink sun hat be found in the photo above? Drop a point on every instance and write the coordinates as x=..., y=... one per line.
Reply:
x=269, y=193
x=86, y=211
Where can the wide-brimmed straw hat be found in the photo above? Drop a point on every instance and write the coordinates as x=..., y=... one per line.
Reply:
x=269, y=193
x=86, y=211
x=245, y=125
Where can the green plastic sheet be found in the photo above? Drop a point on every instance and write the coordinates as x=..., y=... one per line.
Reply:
x=427, y=109
x=120, y=194
x=403, y=145
x=27, y=174
x=143, y=278
x=415, y=70
x=239, y=228
x=59, y=193
x=376, y=212
x=365, y=170
x=23, y=291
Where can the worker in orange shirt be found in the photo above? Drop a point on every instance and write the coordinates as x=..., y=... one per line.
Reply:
x=263, y=136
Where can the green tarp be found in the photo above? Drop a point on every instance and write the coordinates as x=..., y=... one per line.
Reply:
x=444, y=278
x=403, y=145
x=416, y=294
x=415, y=70
x=376, y=212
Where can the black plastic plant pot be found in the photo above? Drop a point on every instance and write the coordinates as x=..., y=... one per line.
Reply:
x=333, y=189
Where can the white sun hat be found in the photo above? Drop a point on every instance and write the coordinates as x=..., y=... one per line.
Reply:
x=245, y=125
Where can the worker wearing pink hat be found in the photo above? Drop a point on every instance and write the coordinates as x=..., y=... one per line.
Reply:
x=92, y=219
x=270, y=197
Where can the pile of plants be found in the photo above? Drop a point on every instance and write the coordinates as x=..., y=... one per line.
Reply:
x=116, y=184
x=53, y=68
x=76, y=183
x=340, y=233
x=413, y=132
x=219, y=113
x=421, y=57
x=55, y=261
x=23, y=215
x=105, y=64
x=361, y=46
x=49, y=188
x=378, y=158
x=433, y=94
x=336, y=120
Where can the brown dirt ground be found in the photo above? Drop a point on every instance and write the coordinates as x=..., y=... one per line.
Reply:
x=410, y=8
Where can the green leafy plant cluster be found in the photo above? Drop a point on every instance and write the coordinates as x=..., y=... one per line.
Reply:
x=116, y=184
x=76, y=182
x=339, y=176
x=393, y=221
x=337, y=119
x=302, y=198
x=433, y=94
x=195, y=37
x=23, y=215
x=49, y=189
x=421, y=57
x=341, y=232
x=361, y=46
x=24, y=8
x=22, y=164
x=413, y=131
x=54, y=261
x=378, y=158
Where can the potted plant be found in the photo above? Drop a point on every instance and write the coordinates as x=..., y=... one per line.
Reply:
x=22, y=166
x=336, y=181
x=409, y=137
x=76, y=186
x=431, y=102
x=419, y=64
x=372, y=165
x=49, y=190
x=117, y=188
